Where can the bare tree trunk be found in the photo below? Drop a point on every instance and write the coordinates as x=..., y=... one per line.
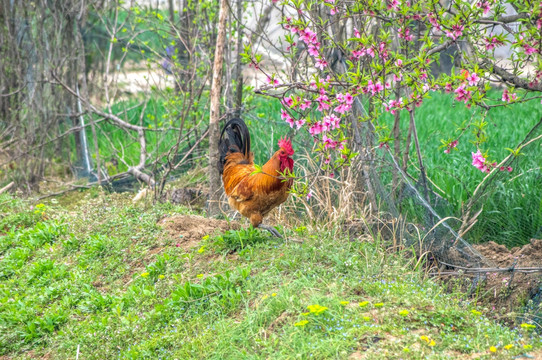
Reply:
x=238, y=74
x=214, y=129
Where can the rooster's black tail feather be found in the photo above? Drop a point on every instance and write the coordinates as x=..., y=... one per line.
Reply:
x=234, y=138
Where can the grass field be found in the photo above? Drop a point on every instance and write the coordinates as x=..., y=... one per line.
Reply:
x=512, y=206
x=94, y=272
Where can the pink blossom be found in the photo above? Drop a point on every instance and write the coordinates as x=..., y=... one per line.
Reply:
x=507, y=97
x=448, y=88
x=398, y=62
x=272, y=81
x=462, y=94
x=323, y=102
x=313, y=50
x=328, y=142
x=321, y=63
x=451, y=146
x=342, y=108
x=405, y=34
x=359, y=53
x=348, y=98
x=356, y=33
x=309, y=195
x=473, y=79
x=286, y=117
x=433, y=20
x=393, y=4
x=315, y=129
x=457, y=31
x=327, y=160
x=305, y=104
x=478, y=160
x=529, y=49
x=288, y=101
x=371, y=52
x=484, y=5
x=299, y=123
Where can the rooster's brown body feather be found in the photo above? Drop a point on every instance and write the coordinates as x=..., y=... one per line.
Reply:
x=254, y=195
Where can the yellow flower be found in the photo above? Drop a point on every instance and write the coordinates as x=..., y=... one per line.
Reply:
x=367, y=318
x=205, y=237
x=316, y=309
x=432, y=343
x=145, y=274
x=509, y=346
x=201, y=250
x=301, y=323
x=527, y=347
x=161, y=276
x=344, y=303
x=305, y=313
x=363, y=303
x=424, y=338
x=493, y=349
x=475, y=312
x=199, y=276
x=403, y=312
x=274, y=294
x=528, y=326
x=379, y=305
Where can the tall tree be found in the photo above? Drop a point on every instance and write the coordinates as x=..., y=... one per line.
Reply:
x=214, y=119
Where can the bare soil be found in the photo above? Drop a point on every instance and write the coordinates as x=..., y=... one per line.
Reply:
x=188, y=230
x=511, y=289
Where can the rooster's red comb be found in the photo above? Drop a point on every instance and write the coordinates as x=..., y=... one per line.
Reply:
x=286, y=144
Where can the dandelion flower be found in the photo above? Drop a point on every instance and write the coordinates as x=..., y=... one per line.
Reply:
x=363, y=303
x=145, y=274
x=403, y=312
x=301, y=323
x=379, y=305
x=274, y=294
x=508, y=347
x=344, y=303
x=493, y=349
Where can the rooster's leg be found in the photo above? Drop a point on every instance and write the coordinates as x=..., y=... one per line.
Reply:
x=272, y=230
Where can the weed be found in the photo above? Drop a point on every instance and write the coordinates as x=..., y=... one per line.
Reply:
x=236, y=240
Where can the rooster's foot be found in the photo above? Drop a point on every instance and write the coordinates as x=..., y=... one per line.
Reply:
x=272, y=230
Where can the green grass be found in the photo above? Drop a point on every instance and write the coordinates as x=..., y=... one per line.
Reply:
x=512, y=207
x=98, y=274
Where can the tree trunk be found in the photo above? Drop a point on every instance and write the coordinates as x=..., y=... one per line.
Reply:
x=215, y=185
x=238, y=74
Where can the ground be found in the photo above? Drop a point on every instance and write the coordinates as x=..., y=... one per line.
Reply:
x=95, y=273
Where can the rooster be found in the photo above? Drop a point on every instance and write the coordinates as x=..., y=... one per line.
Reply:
x=253, y=194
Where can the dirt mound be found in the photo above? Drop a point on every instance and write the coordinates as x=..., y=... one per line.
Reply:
x=511, y=289
x=187, y=230
x=529, y=255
